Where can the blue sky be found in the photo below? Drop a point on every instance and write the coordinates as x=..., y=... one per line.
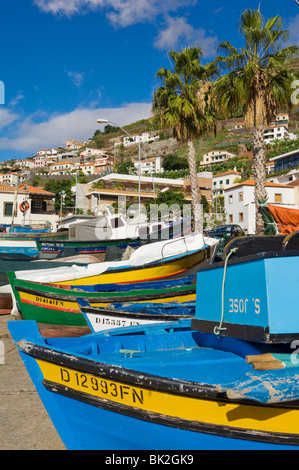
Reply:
x=64, y=63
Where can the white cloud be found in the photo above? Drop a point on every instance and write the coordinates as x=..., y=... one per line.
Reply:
x=119, y=12
x=293, y=28
x=15, y=100
x=53, y=132
x=7, y=117
x=179, y=32
x=76, y=77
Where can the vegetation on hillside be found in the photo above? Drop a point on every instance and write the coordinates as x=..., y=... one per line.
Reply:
x=258, y=78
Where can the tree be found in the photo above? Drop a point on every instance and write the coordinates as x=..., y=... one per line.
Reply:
x=180, y=107
x=108, y=129
x=258, y=77
x=56, y=186
x=174, y=162
x=125, y=167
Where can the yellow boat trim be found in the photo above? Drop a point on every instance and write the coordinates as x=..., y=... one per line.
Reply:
x=72, y=305
x=156, y=272
x=211, y=412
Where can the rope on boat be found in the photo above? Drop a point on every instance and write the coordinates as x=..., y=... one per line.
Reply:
x=219, y=328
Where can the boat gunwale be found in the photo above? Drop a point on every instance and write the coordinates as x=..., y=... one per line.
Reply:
x=117, y=373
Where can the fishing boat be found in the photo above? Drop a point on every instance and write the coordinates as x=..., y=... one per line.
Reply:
x=112, y=232
x=128, y=314
x=13, y=261
x=157, y=261
x=55, y=305
x=22, y=240
x=169, y=386
x=226, y=379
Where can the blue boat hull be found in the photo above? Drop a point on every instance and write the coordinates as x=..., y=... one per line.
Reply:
x=33, y=252
x=86, y=419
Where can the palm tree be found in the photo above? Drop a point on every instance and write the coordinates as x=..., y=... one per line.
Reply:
x=258, y=77
x=181, y=107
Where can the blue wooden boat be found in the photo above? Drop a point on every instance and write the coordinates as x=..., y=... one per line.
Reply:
x=128, y=314
x=175, y=386
x=169, y=387
x=22, y=240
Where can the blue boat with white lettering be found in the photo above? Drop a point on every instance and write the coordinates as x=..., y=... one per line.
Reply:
x=227, y=379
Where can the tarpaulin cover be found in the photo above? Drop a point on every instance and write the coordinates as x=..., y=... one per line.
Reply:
x=286, y=219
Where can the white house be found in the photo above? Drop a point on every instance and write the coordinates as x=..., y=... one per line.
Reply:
x=7, y=198
x=221, y=181
x=149, y=166
x=40, y=206
x=134, y=139
x=216, y=156
x=62, y=168
x=41, y=152
x=239, y=202
x=279, y=132
x=26, y=164
x=286, y=178
x=9, y=178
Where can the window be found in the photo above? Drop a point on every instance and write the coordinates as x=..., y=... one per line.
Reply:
x=241, y=217
x=227, y=181
x=230, y=218
x=8, y=208
x=278, y=197
x=230, y=199
x=116, y=223
x=143, y=232
x=241, y=196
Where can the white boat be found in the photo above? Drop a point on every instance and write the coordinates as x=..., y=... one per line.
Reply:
x=163, y=259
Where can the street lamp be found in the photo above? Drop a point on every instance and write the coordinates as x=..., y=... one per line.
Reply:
x=105, y=121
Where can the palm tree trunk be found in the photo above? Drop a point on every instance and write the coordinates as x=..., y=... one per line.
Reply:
x=259, y=169
x=196, y=205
